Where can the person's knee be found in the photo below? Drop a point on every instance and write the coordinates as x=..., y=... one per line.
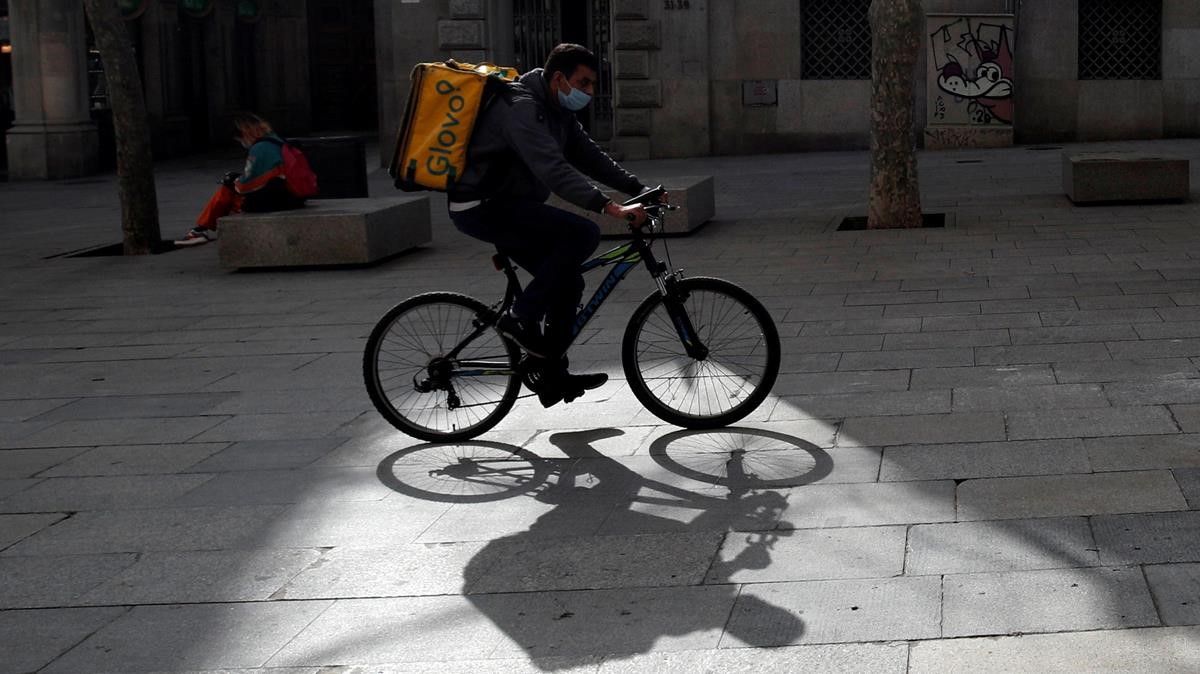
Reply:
x=586, y=238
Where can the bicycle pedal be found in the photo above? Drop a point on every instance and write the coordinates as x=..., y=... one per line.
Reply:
x=570, y=396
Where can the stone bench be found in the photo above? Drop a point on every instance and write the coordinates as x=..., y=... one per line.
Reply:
x=1098, y=177
x=694, y=195
x=327, y=232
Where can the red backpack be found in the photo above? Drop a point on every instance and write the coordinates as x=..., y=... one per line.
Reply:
x=301, y=181
x=299, y=176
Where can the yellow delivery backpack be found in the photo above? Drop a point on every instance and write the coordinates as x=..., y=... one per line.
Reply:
x=445, y=100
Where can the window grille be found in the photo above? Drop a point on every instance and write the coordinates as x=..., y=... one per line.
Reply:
x=835, y=40
x=1120, y=39
x=537, y=32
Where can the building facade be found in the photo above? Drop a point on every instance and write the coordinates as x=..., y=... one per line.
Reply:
x=700, y=77
x=302, y=64
x=679, y=77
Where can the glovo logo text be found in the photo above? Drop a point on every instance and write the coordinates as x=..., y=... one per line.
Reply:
x=439, y=162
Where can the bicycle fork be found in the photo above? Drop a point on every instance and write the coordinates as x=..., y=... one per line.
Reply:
x=673, y=301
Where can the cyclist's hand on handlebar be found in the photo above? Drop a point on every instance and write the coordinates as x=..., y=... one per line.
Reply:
x=634, y=215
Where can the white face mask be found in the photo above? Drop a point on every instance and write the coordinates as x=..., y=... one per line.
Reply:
x=575, y=101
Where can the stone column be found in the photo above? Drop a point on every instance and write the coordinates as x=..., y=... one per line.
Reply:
x=53, y=136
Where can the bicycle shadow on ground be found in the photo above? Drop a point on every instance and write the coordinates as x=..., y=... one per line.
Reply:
x=625, y=555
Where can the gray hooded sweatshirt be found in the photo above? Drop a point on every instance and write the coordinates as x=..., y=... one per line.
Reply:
x=526, y=147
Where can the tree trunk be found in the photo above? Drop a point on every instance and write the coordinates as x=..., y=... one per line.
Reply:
x=135, y=159
x=895, y=199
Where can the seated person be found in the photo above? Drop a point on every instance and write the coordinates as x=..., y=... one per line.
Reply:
x=259, y=188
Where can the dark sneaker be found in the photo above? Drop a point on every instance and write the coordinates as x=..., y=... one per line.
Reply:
x=526, y=336
x=583, y=382
x=574, y=385
x=566, y=387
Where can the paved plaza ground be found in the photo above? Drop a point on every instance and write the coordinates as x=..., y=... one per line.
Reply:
x=996, y=427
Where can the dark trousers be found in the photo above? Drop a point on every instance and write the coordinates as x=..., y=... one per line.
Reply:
x=547, y=242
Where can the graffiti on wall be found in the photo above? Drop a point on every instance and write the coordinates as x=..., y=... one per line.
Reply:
x=970, y=70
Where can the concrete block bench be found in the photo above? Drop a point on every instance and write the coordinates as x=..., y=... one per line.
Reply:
x=328, y=232
x=1098, y=177
x=695, y=196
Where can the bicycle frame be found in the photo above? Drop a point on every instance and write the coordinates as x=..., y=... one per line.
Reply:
x=622, y=259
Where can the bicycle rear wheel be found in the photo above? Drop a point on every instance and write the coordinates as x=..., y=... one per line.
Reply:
x=425, y=393
x=716, y=388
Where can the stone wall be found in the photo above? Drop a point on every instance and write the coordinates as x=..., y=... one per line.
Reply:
x=700, y=77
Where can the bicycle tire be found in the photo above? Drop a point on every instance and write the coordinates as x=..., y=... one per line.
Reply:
x=428, y=326
x=651, y=349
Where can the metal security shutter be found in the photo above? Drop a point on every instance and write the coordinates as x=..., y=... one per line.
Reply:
x=1120, y=39
x=835, y=40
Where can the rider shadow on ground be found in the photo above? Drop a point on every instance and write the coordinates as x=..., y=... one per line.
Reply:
x=637, y=580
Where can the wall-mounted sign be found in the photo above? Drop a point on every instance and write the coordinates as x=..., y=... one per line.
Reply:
x=132, y=9
x=197, y=8
x=248, y=10
x=760, y=92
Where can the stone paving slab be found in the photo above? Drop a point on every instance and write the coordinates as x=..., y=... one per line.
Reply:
x=90, y=433
x=1058, y=495
x=835, y=611
x=1064, y=396
x=127, y=460
x=14, y=528
x=838, y=406
x=410, y=570
x=1150, y=370
x=1152, y=538
x=263, y=487
x=1176, y=588
x=1189, y=483
x=267, y=454
x=997, y=546
x=1054, y=600
x=834, y=658
x=984, y=376
x=1090, y=423
x=79, y=494
x=822, y=554
x=983, y=459
x=151, y=638
x=50, y=582
x=1143, y=452
x=30, y=640
x=146, y=530
x=1134, y=650
x=594, y=563
x=922, y=429
x=202, y=577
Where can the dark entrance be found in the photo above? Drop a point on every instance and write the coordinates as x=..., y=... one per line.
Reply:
x=341, y=35
x=541, y=24
x=194, y=67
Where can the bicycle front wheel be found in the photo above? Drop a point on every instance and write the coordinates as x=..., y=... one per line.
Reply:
x=706, y=390
x=425, y=390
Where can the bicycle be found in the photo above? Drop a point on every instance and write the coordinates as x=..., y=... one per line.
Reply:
x=699, y=353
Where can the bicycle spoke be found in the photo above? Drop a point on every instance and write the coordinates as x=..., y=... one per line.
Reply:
x=732, y=370
x=417, y=383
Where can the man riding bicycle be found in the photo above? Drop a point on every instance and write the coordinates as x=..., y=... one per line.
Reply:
x=526, y=144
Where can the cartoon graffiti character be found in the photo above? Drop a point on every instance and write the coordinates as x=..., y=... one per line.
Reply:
x=988, y=90
x=989, y=81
